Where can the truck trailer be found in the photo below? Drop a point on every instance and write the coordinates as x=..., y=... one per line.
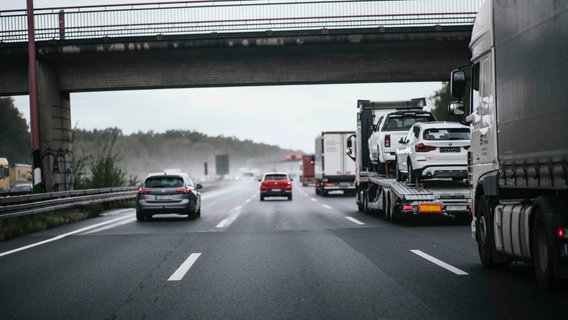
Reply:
x=307, y=170
x=518, y=159
x=334, y=170
x=378, y=189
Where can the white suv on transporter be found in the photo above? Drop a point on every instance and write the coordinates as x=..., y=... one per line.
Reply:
x=433, y=150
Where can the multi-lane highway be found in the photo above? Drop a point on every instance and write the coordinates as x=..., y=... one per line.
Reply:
x=309, y=258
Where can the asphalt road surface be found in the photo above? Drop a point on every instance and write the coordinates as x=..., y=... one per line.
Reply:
x=310, y=258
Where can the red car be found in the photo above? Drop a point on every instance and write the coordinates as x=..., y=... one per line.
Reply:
x=275, y=184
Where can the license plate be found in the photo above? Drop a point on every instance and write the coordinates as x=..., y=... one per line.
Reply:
x=164, y=197
x=430, y=208
x=450, y=149
x=276, y=190
x=456, y=208
x=564, y=249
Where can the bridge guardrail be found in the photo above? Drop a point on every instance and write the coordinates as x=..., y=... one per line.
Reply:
x=224, y=16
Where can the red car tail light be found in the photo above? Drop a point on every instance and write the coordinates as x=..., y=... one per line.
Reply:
x=387, y=141
x=144, y=191
x=423, y=148
x=183, y=190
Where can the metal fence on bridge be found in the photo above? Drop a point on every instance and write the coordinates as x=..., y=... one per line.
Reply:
x=214, y=16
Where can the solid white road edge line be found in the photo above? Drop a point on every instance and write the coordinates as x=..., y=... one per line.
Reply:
x=354, y=220
x=184, y=268
x=440, y=263
x=61, y=236
x=110, y=226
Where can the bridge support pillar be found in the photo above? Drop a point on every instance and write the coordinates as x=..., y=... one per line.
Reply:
x=54, y=130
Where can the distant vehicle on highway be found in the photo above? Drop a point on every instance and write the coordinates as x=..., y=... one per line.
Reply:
x=433, y=150
x=275, y=184
x=22, y=188
x=168, y=192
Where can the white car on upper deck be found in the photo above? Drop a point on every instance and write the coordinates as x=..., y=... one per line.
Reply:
x=389, y=129
x=433, y=150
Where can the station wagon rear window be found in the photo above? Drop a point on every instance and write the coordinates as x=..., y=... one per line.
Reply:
x=446, y=134
x=164, y=182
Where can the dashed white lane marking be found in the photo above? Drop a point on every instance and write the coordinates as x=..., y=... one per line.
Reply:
x=314, y=200
x=222, y=223
x=111, y=226
x=230, y=219
x=354, y=220
x=61, y=236
x=326, y=206
x=440, y=263
x=184, y=268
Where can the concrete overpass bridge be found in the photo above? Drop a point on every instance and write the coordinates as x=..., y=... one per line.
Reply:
x=210, y=43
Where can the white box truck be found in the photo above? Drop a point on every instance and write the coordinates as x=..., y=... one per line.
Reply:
x=334, y=169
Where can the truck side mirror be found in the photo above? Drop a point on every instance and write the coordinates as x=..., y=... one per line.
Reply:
x=457, y=83
x=456, y=108
x=349, y=145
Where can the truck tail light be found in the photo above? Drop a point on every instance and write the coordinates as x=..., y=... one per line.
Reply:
x=562, y=232
x=387, y=141
x=423, y=148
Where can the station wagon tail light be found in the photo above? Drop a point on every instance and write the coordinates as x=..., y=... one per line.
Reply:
x=144, y=191
x=387, y=141
x=423, y=148
x=183, y=190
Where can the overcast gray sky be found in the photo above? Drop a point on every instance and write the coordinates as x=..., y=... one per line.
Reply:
x=288, y=116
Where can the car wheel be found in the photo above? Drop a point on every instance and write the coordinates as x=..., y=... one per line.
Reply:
x=198, y=212
x=140, y=216
x=398, y=174
x=261, y=198
x=409, y=174
x=289, y=197
x=192, y=215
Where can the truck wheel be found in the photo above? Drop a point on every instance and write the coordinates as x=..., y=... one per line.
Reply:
x=360, y=201
x=388, y=208
x=542, y=257
x=484, y=233
x=366, y=203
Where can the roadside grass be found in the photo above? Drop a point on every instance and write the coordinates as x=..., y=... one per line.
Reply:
x=14, y=227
